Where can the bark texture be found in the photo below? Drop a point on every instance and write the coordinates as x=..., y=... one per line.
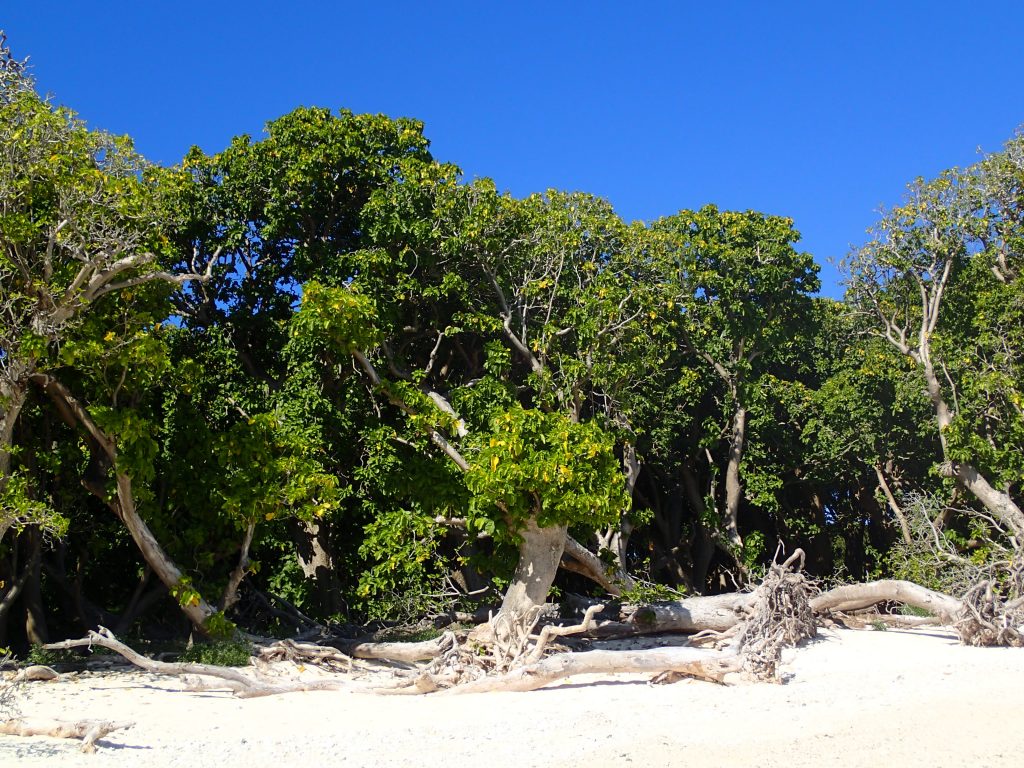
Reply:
x=581, y=560
x=733, y=488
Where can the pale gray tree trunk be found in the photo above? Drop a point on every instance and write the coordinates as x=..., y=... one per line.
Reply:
x=615, y=538
x=539, y=555
x=197, y=609
x=893, y=505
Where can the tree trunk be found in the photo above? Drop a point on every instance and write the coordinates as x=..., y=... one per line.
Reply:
x=316, y=559
x=620, y=541
x=239, y=572
x=700, y=663
x=35, y=615
x=733, y=488
x=539, y=555
x=702, y=547
x=853, y=597
x=616, y=537
x=89, y=731
x=581, y=560
x=15, y=585
x=893, y=505
x=995, y=501
x=196, y=609
x=692, y=614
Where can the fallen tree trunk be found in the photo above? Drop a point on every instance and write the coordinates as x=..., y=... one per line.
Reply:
x=703, y=664
x=86, y=730
x=692, y=614
x=105, y=639
x=852, y=597
x=409, y=653
x=719, y=613
x=887, y=620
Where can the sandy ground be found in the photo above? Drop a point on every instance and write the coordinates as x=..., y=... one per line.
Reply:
x=851, y=698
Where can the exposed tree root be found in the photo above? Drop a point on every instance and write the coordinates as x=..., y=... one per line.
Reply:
x=986, y=620
x=86, y=730
x=780, y=617
x=509, y=645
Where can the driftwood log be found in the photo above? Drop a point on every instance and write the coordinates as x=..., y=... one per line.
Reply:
x=852, y=597
x=247, y=684
x=86, y=730
x=719, y=613
x=691, y=662
x=716, y=613
x=409, y=653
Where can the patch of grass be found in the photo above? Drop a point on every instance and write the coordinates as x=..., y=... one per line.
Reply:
x=221, y=653
x=909, y=610
x=879, y=626
x=409, y=634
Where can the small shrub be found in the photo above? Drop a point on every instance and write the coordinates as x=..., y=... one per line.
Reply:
x=647, y=592
x=221, y=653
x=47, y=658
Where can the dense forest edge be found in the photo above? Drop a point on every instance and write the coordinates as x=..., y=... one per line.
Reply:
x=319, y=383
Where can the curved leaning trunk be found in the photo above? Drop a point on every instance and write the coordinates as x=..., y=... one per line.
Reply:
x=9, y=413
x=123, y=504
x=853, y=597
x=995, y=501
x=196, y=609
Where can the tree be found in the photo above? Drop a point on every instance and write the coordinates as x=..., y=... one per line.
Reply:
x=507, y=331
x=79, y=224
x=740, y=290
x=940, y=282
x=281, y=210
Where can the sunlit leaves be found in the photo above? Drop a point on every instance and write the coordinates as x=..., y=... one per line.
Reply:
x=343, y=319
x=542, y=465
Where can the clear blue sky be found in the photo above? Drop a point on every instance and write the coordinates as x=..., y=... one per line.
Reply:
x=820, y=111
